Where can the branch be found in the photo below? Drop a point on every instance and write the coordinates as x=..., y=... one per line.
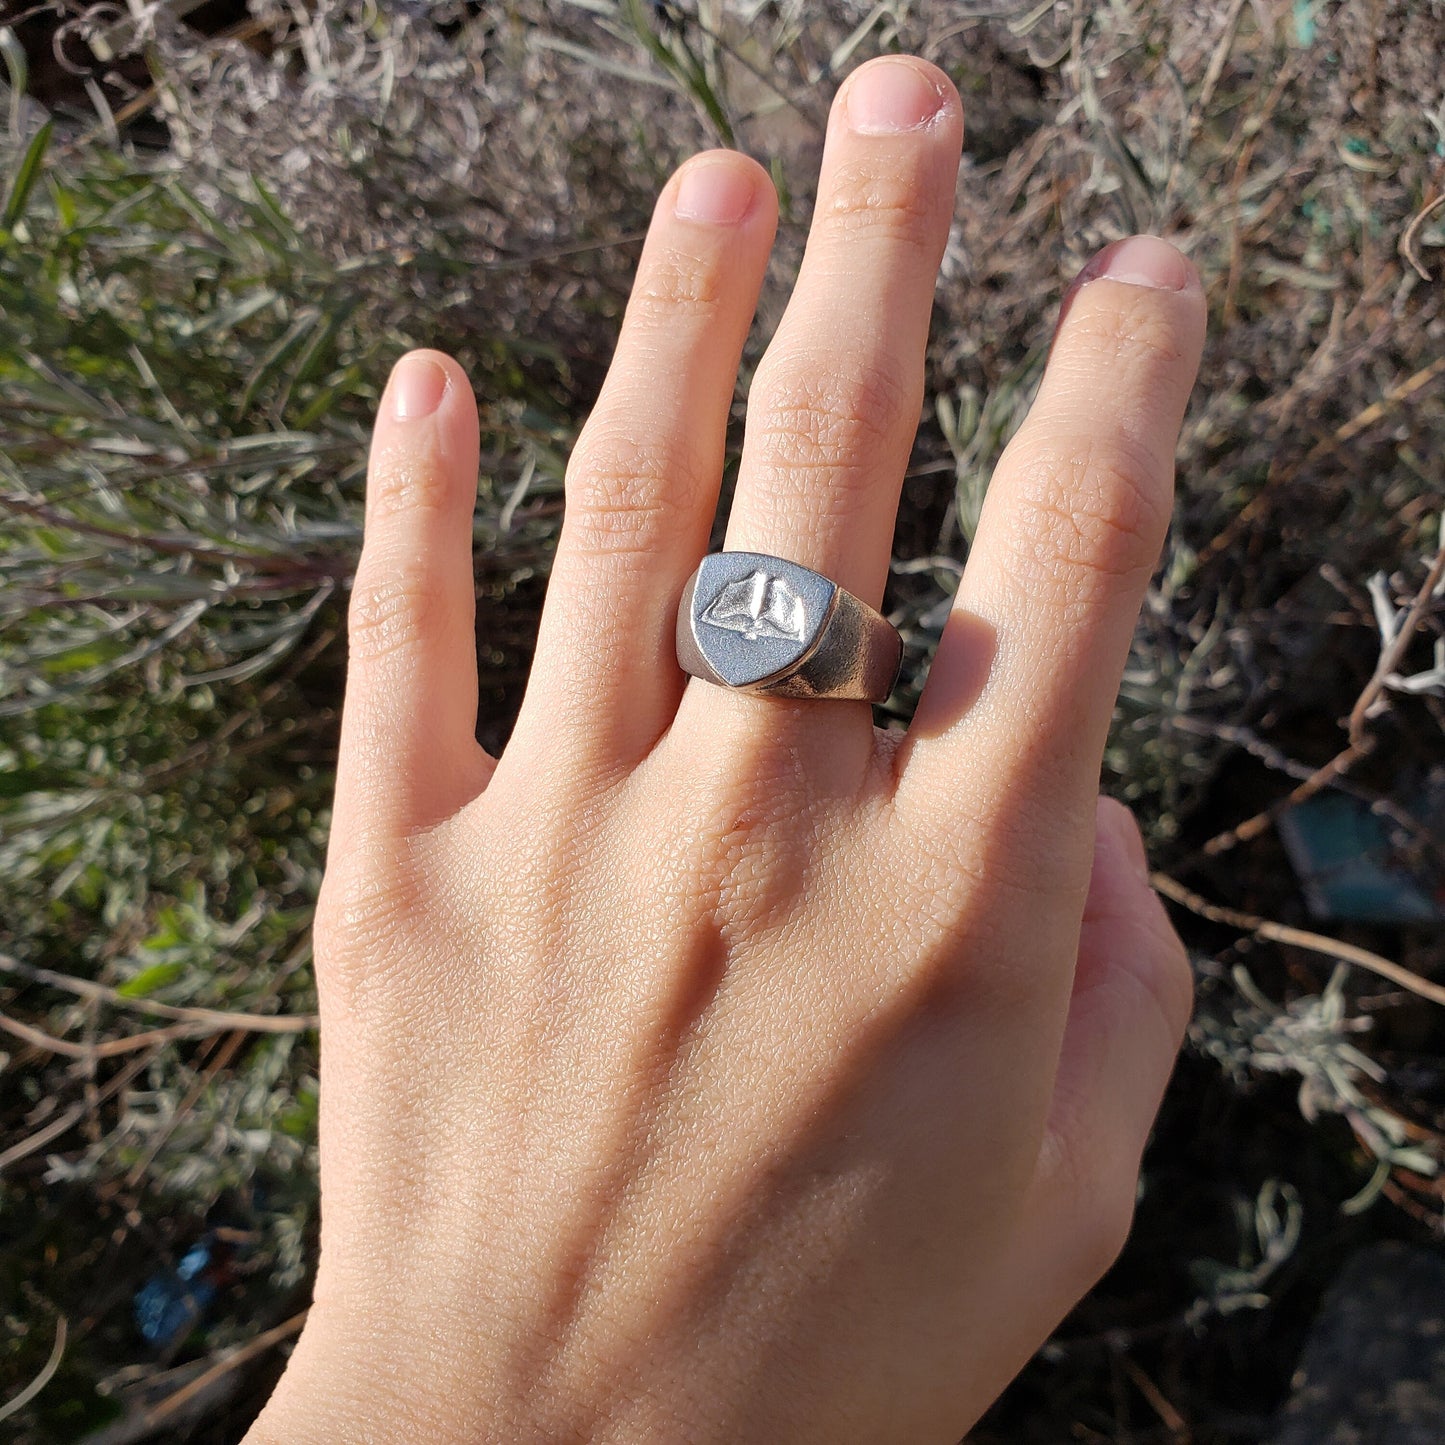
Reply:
x=231, y=1360
x=1393, y=654
x=47, y=1371
x=1299, y=937
x=1360, y=743
x=203, y=1020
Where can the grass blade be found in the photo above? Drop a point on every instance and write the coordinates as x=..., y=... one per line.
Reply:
x=26, y=174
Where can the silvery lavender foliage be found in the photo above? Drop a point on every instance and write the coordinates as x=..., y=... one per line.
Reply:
x=334, y=106
x=1310, y=1038
x=433, y=150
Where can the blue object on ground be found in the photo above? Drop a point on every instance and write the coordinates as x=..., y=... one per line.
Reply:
x=169, y=1304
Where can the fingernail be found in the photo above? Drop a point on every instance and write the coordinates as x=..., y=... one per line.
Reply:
x=889, y=95
x=1140, y=261
x=416, y=387
x=716, y=190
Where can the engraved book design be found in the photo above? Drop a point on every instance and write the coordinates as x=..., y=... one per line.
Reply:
x=758, y=606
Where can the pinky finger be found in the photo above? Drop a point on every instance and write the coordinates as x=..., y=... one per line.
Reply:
x=408, y=752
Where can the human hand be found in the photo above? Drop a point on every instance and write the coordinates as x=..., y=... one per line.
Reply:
x=715, y=1067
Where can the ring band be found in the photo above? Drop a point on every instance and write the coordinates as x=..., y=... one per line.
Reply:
x=762, y=624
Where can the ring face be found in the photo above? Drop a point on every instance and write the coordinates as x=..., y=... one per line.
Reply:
x=763, y=624
x=756, y=617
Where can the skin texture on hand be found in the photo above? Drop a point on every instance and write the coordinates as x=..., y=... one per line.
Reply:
x=714, y=1067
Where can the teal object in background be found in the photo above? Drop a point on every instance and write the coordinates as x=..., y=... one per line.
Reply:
x=1304, y=22
x=1350, y=869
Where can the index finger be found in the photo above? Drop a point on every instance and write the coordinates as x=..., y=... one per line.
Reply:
x=1007, y=749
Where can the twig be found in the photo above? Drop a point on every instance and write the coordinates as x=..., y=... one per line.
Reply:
x=1298, y=938
x=1257, y=123
x=1407, y=240
x=208, y=1019
x=42, y=1136
x=1214, y=70
x=1173, y=1421
x=111, y=1048
x=1285, y=472
x=1360, y=742
x=1318, y=780
x=231, y=1360
x=224, y=1055
x=1394, y=653
x=1412, y=1206
x=1273, y=757
x=47, y=1372
x=139, y=104
x=1401, y=391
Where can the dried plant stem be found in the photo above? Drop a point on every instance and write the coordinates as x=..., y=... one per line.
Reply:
x=1250, y=138
x=47, y=1372
x=128, y=1043
x=53, y=1130
x=1273, y=757
x=1172, y=1420
x=208, y=1019
x=140, y=103
x=1360, y=742
x=222, y=1059
x=1407, y=1202
x=1394, y=654
x=1407, y=239
x=230, y=1360
x=1363, y=419
x=59, y=1125
x=1321, y=778
x=1298, y=938
x=1227, y=30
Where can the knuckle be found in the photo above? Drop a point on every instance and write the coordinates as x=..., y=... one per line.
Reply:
x=675, y=284
x=896, y=208
x=408, y=479
x=1015, y=871
x=359, y=906
x=390, y=614
x=362, y=912
x=625, y=494
x=811, y=412
x=1127, y=339
x=1099, y=510
x=755, y=869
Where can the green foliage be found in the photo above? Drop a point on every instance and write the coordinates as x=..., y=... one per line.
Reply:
x=186, y=383
x=24, y=178
x=180, y=514
x=164, y=806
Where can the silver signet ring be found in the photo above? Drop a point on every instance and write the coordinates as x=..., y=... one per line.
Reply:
x=762, y=624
